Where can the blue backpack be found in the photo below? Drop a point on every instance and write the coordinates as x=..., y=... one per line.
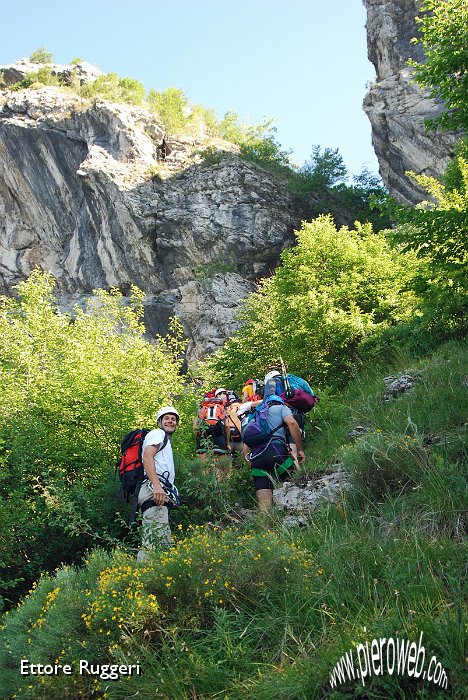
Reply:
x=299, y=383
x=295, y=391
x=258, y=431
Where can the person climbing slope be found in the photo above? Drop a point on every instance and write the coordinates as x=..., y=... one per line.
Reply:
x=210, y=425
x=266, y=447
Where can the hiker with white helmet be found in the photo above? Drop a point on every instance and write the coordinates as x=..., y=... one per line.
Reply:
x=210, y=427
x=158, y=463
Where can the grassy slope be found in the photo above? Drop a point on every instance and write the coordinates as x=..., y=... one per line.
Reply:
x=263, y=611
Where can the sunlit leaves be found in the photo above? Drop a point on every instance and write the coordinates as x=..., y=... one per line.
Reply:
x=444, y=28
x=333, y=289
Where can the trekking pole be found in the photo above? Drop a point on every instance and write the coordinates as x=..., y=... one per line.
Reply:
x=287, y=386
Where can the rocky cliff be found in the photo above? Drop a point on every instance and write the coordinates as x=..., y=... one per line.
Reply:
x=396, y=106
x=98, y=194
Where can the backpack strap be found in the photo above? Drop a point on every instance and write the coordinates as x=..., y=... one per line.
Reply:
x=141, y=479
x=146, y=505
x=265, y=446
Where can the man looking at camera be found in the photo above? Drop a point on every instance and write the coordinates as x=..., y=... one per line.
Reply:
x=158, y=463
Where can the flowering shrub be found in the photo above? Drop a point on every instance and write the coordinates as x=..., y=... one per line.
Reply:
x=98, y=612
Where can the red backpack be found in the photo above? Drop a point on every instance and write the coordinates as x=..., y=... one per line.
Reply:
x=130, y=464
x=212, y=414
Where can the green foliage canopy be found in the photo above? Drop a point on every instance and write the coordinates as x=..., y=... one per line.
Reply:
x=324, y=176
x=41, y=55
x=444, y=27
x=177, y=114
x=171, y=105
x=70, y=390
x=114, y=88
x=324, y=169
x=43, y=75
x=333, y=289
x=436, y=230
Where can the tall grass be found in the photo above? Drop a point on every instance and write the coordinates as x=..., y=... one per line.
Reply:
x=264, y=610
x=231, y=614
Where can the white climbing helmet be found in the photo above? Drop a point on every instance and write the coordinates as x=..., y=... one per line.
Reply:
x=165, y=410
x=272, y=374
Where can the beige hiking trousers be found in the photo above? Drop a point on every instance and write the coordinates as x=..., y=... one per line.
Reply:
x=155, y=524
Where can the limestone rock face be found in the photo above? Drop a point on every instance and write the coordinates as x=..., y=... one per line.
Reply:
x=96, y=193
x=303, y=499
x=82, y=72
x=396, y=106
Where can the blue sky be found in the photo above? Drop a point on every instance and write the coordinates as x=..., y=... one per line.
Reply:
x=303, y=62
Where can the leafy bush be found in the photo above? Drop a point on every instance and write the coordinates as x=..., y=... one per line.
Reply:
x=265, y=609
x=436, y=231
x=212, y=490
x=453, y=177
x=115, y=89
x=324, y=176
x=252, y=613
x=211, y=155
x=257, y=143
x=69, y=392
x=43, y=76
x=333, y=289
x=323, y=169
x=444, y=37
x=41, y=55
x=171, y=106
x=260, y=146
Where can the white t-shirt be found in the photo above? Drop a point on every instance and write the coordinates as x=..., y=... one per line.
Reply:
x=163, y=459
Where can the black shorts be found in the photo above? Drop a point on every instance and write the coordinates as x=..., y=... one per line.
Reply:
x=217, y=443
x=269, y=459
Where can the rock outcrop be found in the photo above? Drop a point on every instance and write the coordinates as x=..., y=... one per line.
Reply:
x=79, y=73
x=298, y=501
x=397, y=106
x=302, y=499
x=97, y=194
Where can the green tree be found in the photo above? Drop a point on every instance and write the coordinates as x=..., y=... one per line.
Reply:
x=257, y=143
x=230, y=129
x=69, y=391
x=444, y=37
x=324, y=169
x=365, y=199
x=436, y=230
x=43, y=76
x=131, y=91
x=260, y=146
x=41, y=55
x=115, y=89
x=453, y=176
x=171, y=106
x=204, y=118
x=332, y=290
